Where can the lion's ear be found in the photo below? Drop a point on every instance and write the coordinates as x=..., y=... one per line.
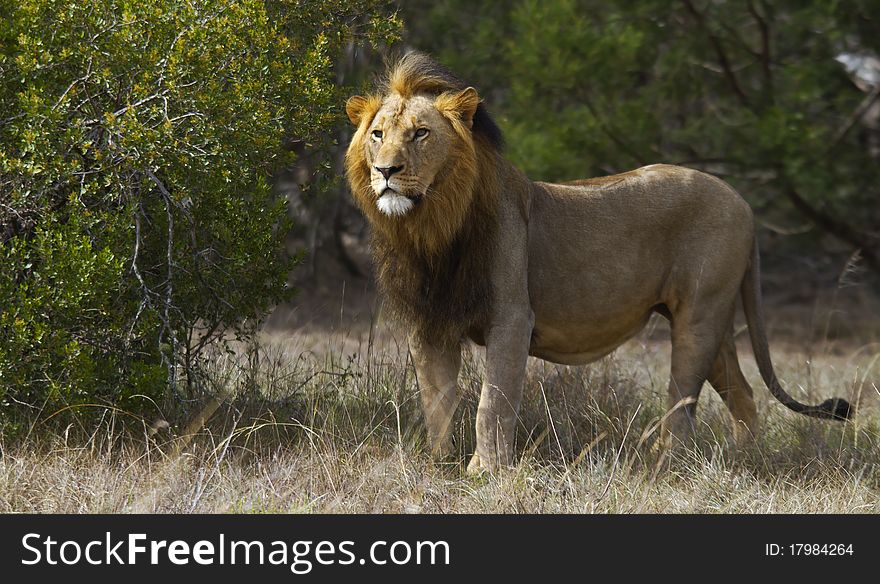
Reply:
x=355, y=108
x=463, y=103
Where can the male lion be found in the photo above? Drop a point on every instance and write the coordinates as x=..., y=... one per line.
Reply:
x=467, y=247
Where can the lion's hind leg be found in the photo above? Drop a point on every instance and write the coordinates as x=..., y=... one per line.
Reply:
x=727, y=378
x=697, y=336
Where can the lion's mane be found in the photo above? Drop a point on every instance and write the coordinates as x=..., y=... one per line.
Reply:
x=432, y=265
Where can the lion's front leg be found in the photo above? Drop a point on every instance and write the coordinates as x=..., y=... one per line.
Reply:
x=507, y=347
x=437, y=373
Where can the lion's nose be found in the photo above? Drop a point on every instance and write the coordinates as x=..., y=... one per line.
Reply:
x=387, y=171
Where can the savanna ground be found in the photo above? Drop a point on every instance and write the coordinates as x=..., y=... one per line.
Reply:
x=327, y=419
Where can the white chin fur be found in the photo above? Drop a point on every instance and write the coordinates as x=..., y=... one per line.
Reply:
x=394, y=205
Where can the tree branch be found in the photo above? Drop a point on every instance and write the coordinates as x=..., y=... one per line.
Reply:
x=835, y=227
x=764, y=54
x=700, y=18
x=167, y=325
x=854, y=118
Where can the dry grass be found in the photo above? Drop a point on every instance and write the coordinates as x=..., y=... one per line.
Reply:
x=332, y=424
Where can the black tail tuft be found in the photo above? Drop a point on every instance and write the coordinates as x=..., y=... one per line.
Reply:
x=835, y=409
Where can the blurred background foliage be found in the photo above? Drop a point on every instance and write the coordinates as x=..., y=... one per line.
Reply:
x=753, y=91
x=163, y=165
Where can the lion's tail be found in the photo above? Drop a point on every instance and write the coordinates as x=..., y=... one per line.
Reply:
x=834, y=408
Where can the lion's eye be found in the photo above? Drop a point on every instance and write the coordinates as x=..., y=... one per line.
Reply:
x=377, y=134
x=421, y=132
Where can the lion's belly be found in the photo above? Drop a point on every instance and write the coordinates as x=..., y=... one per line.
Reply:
x=583, y=313
x=578, y=343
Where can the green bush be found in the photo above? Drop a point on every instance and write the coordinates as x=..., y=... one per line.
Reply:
x=138, y=224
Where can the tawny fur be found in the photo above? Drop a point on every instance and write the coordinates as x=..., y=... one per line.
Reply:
x=562, y=272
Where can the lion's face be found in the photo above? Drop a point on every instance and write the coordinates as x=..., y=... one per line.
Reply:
x=411, y=143
x=407, y=145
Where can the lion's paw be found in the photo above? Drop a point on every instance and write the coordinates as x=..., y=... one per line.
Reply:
x=477, y=466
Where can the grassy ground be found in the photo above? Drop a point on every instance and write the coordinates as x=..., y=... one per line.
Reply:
x=331, y=423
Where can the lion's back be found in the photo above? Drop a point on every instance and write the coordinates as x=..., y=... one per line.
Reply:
x=630, y=230
x=656, y=201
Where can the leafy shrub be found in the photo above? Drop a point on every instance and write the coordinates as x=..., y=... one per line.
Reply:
x=138, y=224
